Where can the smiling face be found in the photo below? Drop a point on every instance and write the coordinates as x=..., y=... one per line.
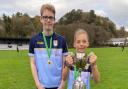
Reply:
x=81, y=42
x=47, y=19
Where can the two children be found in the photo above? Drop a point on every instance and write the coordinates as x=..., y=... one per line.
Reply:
x=81, y=43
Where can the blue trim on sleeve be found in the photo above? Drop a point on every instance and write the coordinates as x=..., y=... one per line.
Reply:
x=65, y=54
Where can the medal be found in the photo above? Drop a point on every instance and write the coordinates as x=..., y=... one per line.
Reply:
x=48, y=49
x=49, y=62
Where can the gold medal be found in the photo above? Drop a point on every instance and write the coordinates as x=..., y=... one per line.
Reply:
x=49, y=62
x=48, y=49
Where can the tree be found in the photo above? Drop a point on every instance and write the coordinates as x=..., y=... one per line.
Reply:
x=92, y=16
x=2, y=30
x=71, y=17
x=7, y=24
x=122, y=32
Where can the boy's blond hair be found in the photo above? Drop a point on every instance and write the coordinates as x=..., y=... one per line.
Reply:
x=48, y=7
x=80, y=31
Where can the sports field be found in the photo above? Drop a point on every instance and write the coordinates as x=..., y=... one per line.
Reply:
x=15, y=70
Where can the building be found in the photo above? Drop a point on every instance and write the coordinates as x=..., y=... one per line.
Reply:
x=118, y=41
x=14, y=40
x=14, y=43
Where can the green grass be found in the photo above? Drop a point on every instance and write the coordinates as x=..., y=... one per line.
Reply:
x=15, y=72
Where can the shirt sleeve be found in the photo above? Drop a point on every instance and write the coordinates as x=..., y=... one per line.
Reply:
x=31, y=47
x=65, y=48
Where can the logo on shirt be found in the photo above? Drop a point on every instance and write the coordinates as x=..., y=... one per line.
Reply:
x=55, y=43
x=39, y=42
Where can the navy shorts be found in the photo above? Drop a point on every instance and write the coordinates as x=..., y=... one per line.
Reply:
x=51, y=88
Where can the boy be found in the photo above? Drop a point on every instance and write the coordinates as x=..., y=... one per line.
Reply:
x=47, y=50
x=81, y=43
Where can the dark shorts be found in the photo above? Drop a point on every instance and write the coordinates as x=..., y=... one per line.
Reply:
x=51, y=88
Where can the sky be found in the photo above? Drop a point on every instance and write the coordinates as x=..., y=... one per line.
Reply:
x=115, y=10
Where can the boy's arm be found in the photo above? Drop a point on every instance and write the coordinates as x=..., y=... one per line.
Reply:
x=34, y=73
x=64, y=76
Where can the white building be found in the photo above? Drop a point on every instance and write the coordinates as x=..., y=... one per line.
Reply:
x=118, y=41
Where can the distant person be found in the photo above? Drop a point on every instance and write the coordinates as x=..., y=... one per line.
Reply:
x=122, y=48
x=17, y=48
x=81, y=43
x=47, y=51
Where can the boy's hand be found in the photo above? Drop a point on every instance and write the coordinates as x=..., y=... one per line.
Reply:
x=40, y=87
x=62, y=85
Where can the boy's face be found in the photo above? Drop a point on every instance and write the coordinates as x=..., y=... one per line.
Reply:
x=47, y=19
x=81, y=42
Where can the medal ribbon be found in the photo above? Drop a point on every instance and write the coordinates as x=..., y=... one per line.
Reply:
x=46, y=45
x=76, y=72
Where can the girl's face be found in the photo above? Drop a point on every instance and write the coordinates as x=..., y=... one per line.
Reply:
x=81, y=42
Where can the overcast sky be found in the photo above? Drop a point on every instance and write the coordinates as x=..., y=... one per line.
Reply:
x=116, y=10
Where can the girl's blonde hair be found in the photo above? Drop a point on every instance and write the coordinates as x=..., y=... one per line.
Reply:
x=80, y=31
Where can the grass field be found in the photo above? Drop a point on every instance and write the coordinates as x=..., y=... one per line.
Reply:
x=15, y=70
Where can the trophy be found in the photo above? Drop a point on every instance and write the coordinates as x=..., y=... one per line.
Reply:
x=80, y=63
x=79, y=83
